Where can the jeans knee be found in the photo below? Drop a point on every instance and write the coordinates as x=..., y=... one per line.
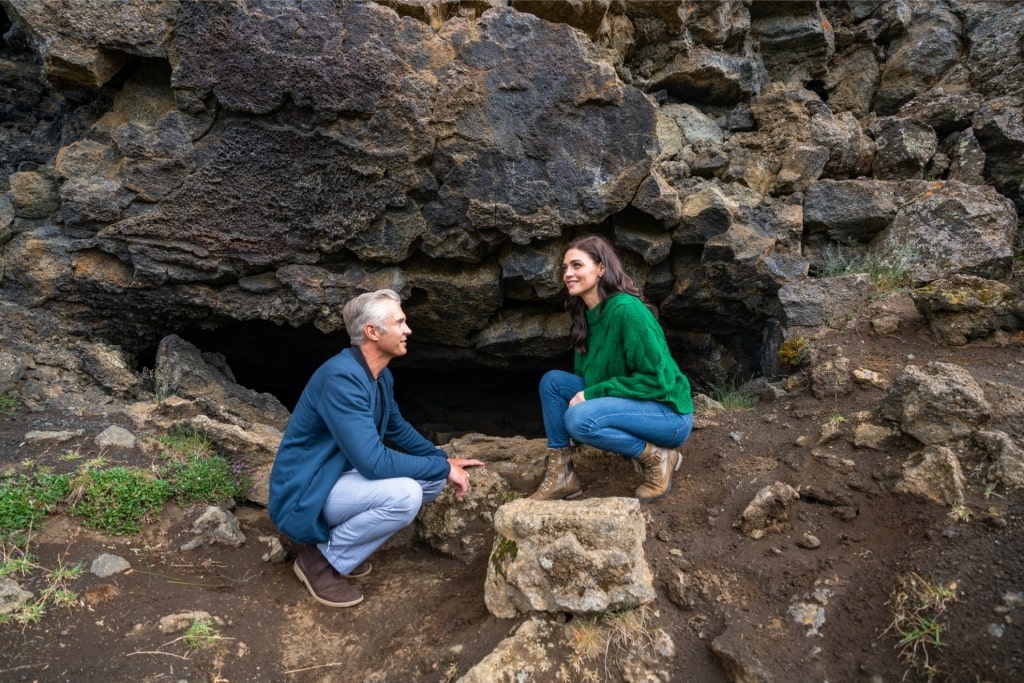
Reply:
x=548, y=382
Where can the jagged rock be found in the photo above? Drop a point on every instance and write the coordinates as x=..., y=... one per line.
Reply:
x=524, y=655
x=12, y=369
x=33, y=194
x=1007, y=402
x=183, y=370
x=936, y=403
x=903, y=147
x=831, y=373
x=768, y=512
x=967, y=159
x=954, y=228
x=999, y=127
x=1006, y=458
x=872, y=436
x=557, y=556
x=798, y=41
x=849, y=211
x=116, y=437
x=934, y=474
x=964, y=307
x=708, y=76
x=816, y=301
x=917, y=59
x=464, y=528
x=107, y=565
x=276, y=554
x=518, y=460
x=215, y=525
x=869, y=378
x=87, y=47
x=12, y=596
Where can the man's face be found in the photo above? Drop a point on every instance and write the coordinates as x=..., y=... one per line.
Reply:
x=392, y=341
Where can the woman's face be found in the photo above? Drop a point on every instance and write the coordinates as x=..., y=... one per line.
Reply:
x=580, y=274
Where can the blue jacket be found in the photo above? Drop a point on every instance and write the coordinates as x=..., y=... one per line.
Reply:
x=341, y=422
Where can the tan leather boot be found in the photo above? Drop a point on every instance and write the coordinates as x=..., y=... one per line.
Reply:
x=657, y=464
x=560, y=480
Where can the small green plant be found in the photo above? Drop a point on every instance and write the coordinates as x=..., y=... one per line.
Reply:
x=794, y=352
x=202, y=634
x=196, y=473
x=55, y=592
x=9, y=403
x=117, y=500
x=26, y=500
x=836, y=419
x=960, y=513
x=918, y=605
x=733, y=397
x=70, y=455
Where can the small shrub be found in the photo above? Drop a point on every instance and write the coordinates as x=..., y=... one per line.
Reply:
x=733, y=397
x=9, y=404
x=202, y=634
x=196, y=473
x=209, y=479
x=117, y=500
x=26, y=500
x=794, y=352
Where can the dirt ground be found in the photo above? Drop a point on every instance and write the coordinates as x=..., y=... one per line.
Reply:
x=424, y=617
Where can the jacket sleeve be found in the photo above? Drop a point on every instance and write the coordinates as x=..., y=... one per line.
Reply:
x=347, y=411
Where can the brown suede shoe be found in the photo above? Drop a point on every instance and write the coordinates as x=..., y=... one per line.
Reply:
x=325, y=584
x=361, y=570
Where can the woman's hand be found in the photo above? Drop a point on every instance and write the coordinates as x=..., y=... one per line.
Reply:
x=578, y=398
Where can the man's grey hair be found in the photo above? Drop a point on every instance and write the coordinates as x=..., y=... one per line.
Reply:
x=367, y=309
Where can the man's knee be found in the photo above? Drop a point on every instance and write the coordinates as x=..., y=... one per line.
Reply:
x=407, y=497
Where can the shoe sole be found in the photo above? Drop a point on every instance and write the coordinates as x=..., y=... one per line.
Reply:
x=305, y=582
x=570, y=496
x=369, y=568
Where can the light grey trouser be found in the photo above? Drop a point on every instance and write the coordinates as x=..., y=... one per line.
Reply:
x=364, y=513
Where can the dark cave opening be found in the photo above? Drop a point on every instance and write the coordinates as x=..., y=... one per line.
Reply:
x=442, y=399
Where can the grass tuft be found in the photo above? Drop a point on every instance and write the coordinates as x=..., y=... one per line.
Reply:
x=918, y=606
x=9, y=404
x=196, y=473
x=733, y=397
x=118, y=499
x=890, y=267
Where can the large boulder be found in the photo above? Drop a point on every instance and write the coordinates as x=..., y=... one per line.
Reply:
x=556, y=556
x=936, y=403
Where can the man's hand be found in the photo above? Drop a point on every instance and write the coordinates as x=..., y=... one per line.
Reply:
x=458, y=475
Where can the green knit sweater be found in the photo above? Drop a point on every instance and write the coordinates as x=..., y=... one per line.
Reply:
x=627, y=356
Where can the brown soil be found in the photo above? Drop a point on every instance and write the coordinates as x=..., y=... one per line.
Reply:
x=424, y=617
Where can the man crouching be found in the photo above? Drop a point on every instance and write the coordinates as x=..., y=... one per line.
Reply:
x=335, y=486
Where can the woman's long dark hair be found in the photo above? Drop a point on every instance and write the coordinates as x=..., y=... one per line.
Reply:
x=613, y=280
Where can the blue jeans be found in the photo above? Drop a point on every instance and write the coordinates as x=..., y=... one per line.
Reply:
x=364, y=513
x=619, y=425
